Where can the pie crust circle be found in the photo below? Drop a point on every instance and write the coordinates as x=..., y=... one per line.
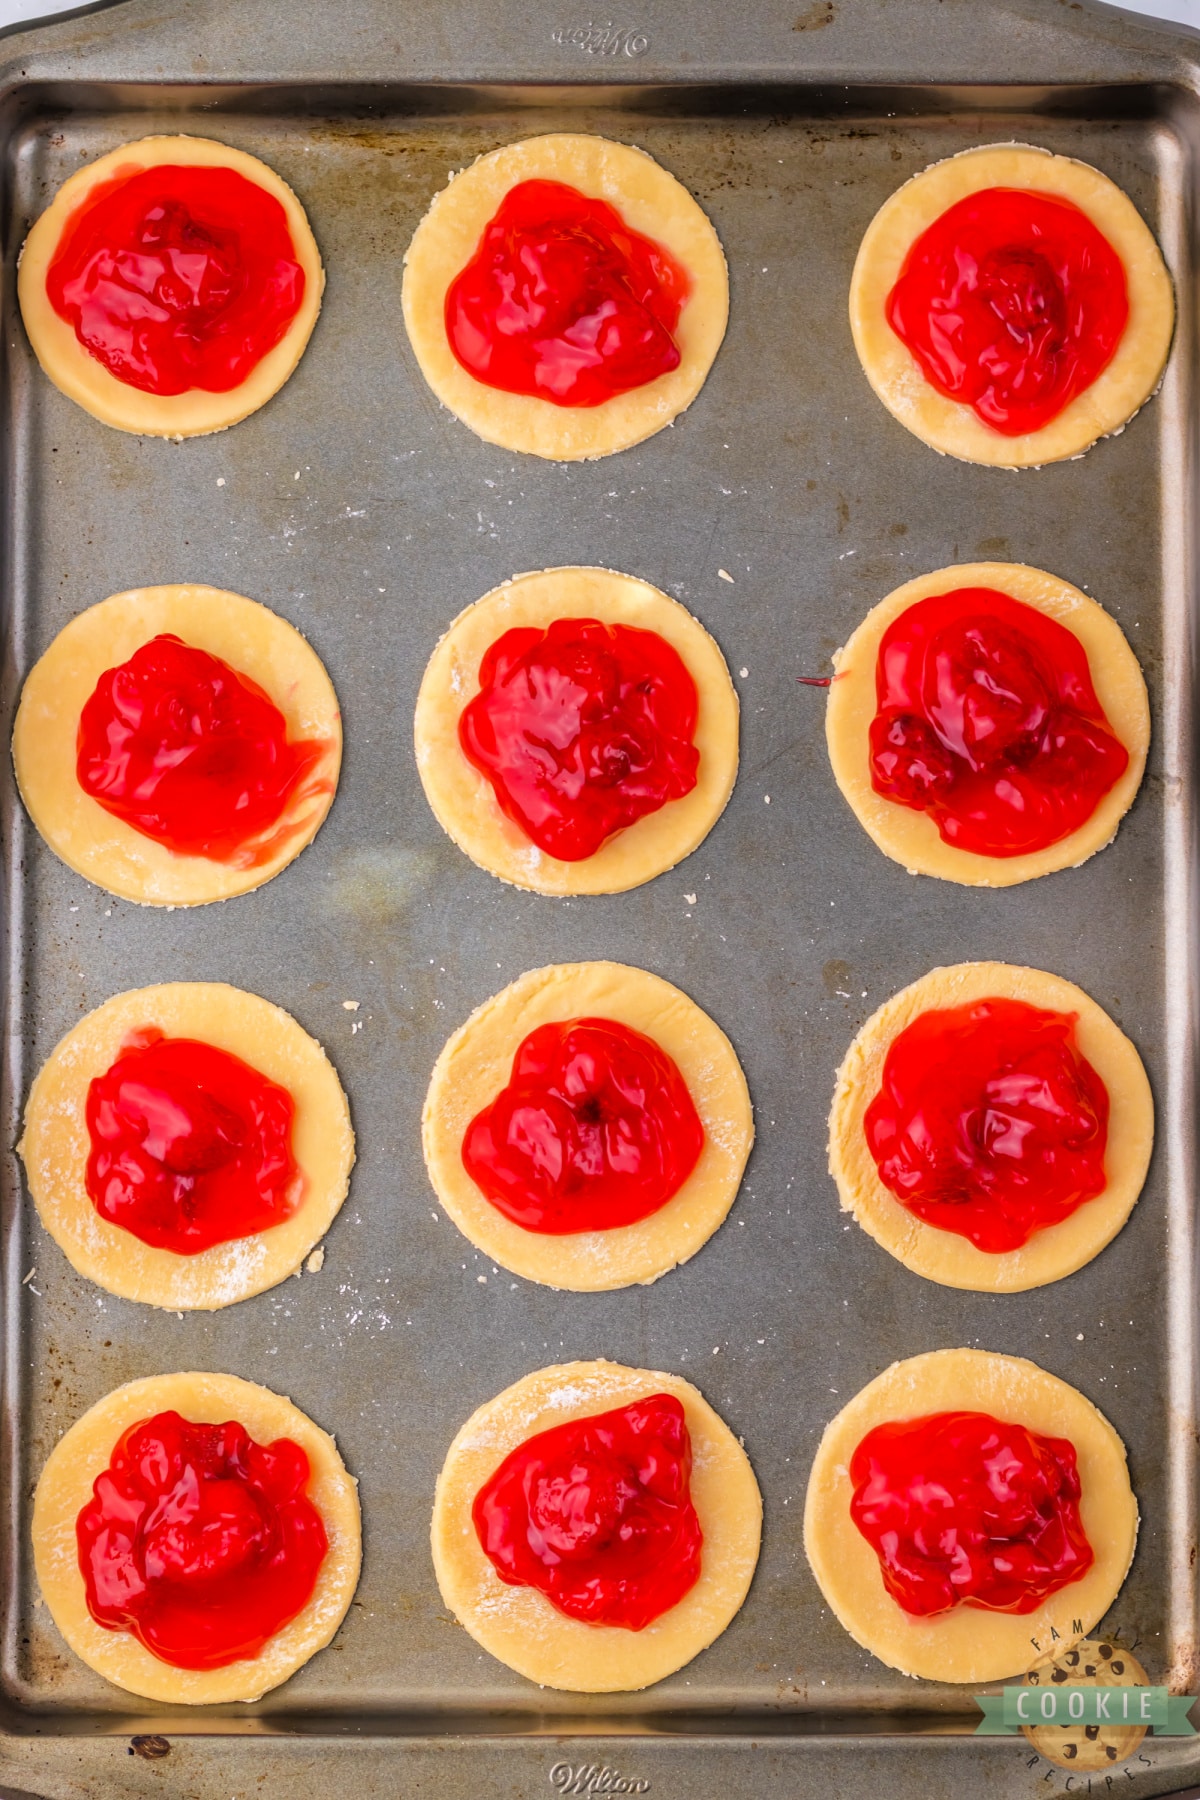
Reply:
x=83, y=378
x=969, y=1643
x=464, y=801
x=476, y=1065
x=55, y=1145
x=951, y=426
x=945, y=1256
x=911, y=838
x=104, y=849
x=651, y=202
x=518, y=1625
x=65, y=1488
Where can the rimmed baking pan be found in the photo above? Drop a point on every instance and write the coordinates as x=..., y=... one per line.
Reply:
x=367, y=516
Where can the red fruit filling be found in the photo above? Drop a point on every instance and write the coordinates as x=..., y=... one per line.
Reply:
x=595, y=1129
x=989, y=1122
x=987, y=720
x=962, y=1509
x=177, y=277
x=199, y=1542
x=597, y=1515
x=1012, y=303
x=582, y=729
x=194, y=755
x=190, y=1146
x=564, y=301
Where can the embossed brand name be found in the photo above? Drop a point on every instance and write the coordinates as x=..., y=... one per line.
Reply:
x=593, y=1778
x=602, y=40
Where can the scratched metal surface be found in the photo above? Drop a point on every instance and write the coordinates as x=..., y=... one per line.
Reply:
x=367, y=516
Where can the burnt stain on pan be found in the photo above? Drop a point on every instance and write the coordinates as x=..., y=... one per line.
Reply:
x=150, y=1746
x=817, y=16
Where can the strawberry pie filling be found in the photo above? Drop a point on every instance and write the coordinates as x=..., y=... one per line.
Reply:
x=190, y=1146
x=965, y=1509
x=595, y=1129
x=1013, y=303
x=177, y=277
x=199, y=1542
x=597, y=1515
x=989, y=1122
x=582, y=729
x=195, y=755
x=563, y=301
x=987, y=721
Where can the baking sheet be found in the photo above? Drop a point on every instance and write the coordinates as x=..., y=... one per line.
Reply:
x=366, y=515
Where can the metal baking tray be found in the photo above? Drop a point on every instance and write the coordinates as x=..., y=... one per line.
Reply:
x=357, y=508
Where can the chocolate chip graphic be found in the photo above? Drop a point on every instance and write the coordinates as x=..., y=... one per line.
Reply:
x=1091, y=1733
x=1058, y=1674
x=1089, y=1668
x=1118, y=1668
x=1110, y=1750
x=1070, y=1751
x=1106, y=1651
x=1072, y=1658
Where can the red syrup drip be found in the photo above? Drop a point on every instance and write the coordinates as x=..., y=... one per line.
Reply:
x=562, y=300
x=199, y=1542
x=1012, y=303
x=193, y=754
x=582, y=729
x=177, y=277
x=988, y=721
x=989, y=1122
x=961, y=1509
x=190, y=1146
x=597, y=1515
x=595, y=1129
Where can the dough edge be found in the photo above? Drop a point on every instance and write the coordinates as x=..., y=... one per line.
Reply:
x=951, y=427
x=463, y=801
x=653, y=202
x=54, y=1146
x=968, y=1644
x=944, y=1256
x=519, y=1626
x=65, y=1487
x=475, y=1065
x=105, y=850
x=78, y=375
x=911, y=838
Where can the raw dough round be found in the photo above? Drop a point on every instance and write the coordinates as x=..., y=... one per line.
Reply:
x=952, y=427
x=56, y=1144
x=969, y=1643
x=477, y=1063
x=651, y=202
x=943, y=1255
x=104, y=849
x=912, y=838
x=66, y=1487
x=520, y=1626
x=464, y=801
x=83, y=378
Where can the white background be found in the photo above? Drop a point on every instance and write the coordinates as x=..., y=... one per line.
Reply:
x=1185, y=11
